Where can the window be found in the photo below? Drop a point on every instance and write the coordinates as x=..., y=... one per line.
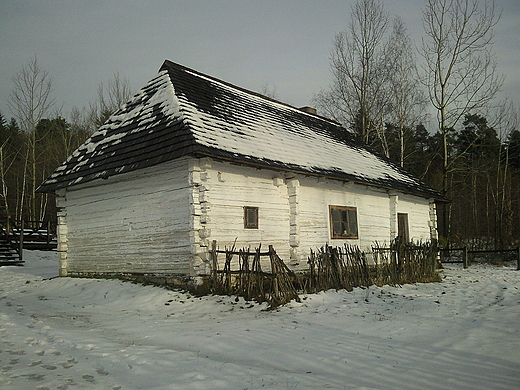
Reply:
x=402, y=227
x=343, y=222
x=250, y=217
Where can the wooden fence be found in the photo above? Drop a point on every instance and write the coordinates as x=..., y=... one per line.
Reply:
x=329, y=268
x=32, y=234
x=248, y=280
x=447, y=256
x=406, y=262
x=347, y=267
x=10, y=249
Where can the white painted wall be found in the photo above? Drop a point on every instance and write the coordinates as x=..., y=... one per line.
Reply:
x=163, y=219
x=134, y=222
x=227, y=188
x=317, y=195
x=418, y=210
x=294, y=211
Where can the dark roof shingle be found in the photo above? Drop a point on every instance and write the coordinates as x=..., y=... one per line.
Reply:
x=182, y=112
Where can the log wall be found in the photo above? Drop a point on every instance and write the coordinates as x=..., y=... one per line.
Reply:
x=294, y=211
x=135, y=222
x=163, y=219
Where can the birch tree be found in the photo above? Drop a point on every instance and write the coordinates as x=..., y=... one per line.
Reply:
x=407, y=99
x=29, y=101
x=459, y=66
x=508, y=193
x=357, y=59
x=111, y=96
x=8, y=154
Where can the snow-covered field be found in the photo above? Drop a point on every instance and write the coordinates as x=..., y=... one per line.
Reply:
x=64, y=333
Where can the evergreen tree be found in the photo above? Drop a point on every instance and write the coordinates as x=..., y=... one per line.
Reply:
x=513, y=150
x=476, y=140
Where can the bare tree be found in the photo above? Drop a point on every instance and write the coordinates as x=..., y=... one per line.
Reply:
x=5, y=165
x=357, y=58
x=110, y=98
x=29, y=101
x=80, y=130
x=460, y=69
x=407, y=99
x=508, y=121
x=270, y=91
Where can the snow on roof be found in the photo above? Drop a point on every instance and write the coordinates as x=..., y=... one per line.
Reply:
x=183, y=112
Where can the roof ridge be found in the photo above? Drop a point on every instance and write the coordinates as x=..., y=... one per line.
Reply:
x=181, y=111
x=167, y=64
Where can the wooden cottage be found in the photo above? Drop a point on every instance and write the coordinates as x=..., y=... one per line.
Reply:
x=191, y=159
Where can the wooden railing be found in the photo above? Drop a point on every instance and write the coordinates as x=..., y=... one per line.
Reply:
x=445, y=254
x=32, y=234
x=11, y=243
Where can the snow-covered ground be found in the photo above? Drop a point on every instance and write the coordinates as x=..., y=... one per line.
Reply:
x=64, y=333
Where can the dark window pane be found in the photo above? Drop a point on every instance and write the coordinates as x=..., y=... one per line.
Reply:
x=343, y=222
x=336, y=221
x=352, y=220
x=251, y=217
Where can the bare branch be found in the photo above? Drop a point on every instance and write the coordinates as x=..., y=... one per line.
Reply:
x=357, y=58
x=30, y=99
x=459, y=68
x=110, y=98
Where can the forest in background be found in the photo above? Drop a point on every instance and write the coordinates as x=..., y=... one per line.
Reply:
x=39, y=137
x=380, y=92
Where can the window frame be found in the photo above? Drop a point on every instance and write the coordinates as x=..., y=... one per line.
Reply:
x=248, y=223
x=333, y=209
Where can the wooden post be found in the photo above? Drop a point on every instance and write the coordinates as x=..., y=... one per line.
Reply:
x=465, y=257
x=274, y=271
x=21, y=240
x=518, y=258
x=48, y=235
x=214, y=261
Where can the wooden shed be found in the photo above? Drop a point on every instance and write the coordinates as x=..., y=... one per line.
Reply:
x=191, y=159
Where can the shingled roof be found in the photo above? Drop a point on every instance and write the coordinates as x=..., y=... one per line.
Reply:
x=183, y=112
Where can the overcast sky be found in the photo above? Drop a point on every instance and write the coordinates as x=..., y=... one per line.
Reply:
x=250, y=43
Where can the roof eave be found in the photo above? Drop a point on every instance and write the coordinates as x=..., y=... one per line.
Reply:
x=426, y=193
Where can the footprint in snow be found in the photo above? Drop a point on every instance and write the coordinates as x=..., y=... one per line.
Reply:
x=65, y=364
x=65, y=386
x=69, y=363
x=34, y=377
x=19, y=352
x=89, y=378
x=101, y=371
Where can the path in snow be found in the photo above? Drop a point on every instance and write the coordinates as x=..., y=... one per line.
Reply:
x=66, y=333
